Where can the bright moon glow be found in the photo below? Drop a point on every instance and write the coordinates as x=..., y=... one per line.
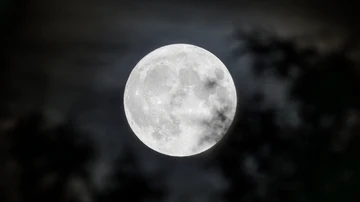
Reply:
x=180, y=100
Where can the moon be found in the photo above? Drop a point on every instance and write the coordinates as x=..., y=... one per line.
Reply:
x=180, y=100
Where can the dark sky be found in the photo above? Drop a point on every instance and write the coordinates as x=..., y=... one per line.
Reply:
x=294, y=65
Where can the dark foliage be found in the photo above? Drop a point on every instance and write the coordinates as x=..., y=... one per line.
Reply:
x=46, y=159
x=130, y=184
x=277, y=164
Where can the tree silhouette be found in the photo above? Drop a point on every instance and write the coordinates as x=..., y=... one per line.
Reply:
x=130, y=183
x=267, y=162
x=47, y=159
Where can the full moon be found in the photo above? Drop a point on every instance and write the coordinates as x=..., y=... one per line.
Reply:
x=180, y=100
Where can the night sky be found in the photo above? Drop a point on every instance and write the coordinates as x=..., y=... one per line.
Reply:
x=64, y=135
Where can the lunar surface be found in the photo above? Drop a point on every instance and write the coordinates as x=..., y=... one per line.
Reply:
x=180, y=100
